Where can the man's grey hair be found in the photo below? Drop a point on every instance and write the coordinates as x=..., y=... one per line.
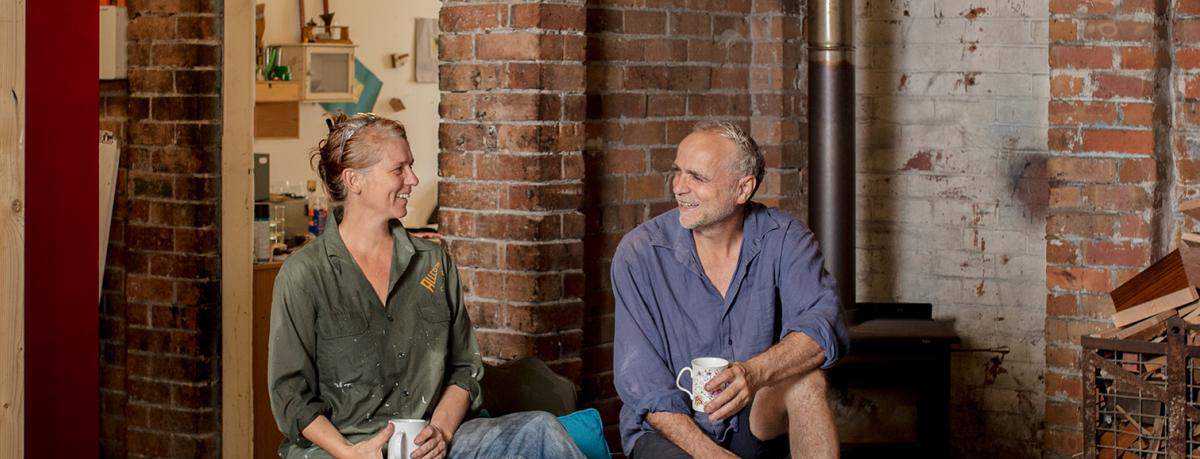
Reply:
x=749, y=160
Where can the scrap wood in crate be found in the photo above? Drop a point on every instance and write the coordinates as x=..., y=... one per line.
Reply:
x=1166, y=289
x=1141, y=399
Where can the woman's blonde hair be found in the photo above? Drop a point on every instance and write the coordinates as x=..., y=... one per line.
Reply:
x=350, y=146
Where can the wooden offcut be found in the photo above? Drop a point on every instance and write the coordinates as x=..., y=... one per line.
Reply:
x=1146, y=329
x=1192, y=317
x=1190, y=237
x=1191, y=208
x=1178, y=270
x=1156, y=306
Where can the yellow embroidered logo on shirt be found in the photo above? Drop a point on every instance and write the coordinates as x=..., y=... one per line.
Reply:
x=430, y=279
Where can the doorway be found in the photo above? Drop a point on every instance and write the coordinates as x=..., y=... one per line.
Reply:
x=284, y=128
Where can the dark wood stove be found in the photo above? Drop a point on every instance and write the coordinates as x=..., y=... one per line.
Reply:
x=891, y=393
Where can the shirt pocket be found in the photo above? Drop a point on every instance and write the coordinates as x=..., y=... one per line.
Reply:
x=344, y=348
x=341, y=325
x=434, y=310
x=434, y=325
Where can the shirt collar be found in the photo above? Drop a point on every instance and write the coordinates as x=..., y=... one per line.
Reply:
x=335, y=247
x=670, y=234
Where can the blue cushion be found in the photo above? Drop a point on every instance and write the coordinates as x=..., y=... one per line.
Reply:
x=586, y=428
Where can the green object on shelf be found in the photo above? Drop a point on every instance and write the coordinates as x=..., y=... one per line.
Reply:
x=282, y=72
x=272, y=61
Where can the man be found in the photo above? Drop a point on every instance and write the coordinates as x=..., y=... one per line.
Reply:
x=721, y=276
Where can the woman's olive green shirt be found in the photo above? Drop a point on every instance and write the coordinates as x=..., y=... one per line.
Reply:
x=336, y=351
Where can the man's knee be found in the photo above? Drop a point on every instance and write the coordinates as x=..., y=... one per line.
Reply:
x=805, y=389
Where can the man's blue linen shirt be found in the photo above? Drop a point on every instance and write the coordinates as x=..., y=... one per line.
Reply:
x=668, y=312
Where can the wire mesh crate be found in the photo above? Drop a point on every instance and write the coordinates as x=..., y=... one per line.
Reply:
x=1141, y=399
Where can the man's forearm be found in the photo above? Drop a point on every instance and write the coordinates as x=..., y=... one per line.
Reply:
x=681, y=430
x=796, y=354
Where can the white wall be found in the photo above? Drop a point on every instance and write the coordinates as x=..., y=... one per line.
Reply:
x=952, y=101
x=379, y=28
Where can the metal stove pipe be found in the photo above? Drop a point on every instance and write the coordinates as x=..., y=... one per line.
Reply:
x=831, y=206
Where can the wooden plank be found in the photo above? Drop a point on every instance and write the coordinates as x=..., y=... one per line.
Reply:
x=1191, y=208
x=1155, y=326
x=1179, y=269
x=237, y=144
x=1190, y=237
x=1167, y=302
x=12, y=229
x=1147, y=328
x=1192, y=317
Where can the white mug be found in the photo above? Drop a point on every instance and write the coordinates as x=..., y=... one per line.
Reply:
x=703, y=370
x=404, y=438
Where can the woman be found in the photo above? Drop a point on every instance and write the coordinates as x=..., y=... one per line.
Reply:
x=368, y=324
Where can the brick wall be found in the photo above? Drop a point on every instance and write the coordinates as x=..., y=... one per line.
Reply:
x=511, y=164
x=952, y=196
x=160, y=319
x=1119, y=71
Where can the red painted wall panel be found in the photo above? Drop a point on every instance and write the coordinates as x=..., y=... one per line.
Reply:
x=61, y=185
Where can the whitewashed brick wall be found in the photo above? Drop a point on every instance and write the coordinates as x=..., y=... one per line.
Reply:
x=952, y=100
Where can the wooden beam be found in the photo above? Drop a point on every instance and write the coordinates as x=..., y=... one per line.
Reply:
x=237, y=143
x=12, y=229
x=1158, y=305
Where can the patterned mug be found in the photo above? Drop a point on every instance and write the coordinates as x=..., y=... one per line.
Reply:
x=703, y=370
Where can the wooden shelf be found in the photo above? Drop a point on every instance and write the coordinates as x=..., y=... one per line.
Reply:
x=277, y=91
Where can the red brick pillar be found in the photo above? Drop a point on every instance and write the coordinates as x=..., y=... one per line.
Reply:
x=511, y=164
x=778, y=103
x=170, y=208
x=1103, y=180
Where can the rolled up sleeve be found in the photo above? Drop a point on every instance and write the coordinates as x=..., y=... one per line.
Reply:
x=291, y=368
x=642, y=375
x=465, y=366
x=808, y=294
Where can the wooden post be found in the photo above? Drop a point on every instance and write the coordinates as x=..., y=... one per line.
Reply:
x=237, y=421
x=12, y=229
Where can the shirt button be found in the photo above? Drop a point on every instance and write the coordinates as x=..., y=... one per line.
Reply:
x=406, y=392
x=391, y=319
x=402, y=355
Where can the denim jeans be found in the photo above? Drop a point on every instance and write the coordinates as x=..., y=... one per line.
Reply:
x=524, y=435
